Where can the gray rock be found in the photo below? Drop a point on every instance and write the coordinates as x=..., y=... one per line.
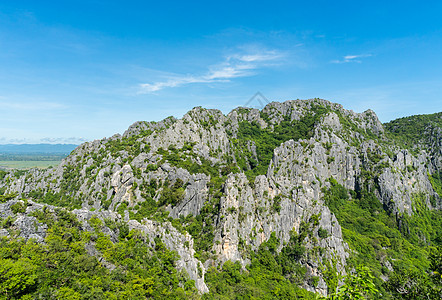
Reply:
x=343, y=146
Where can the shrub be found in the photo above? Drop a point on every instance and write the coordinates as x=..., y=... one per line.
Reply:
x=322, y=233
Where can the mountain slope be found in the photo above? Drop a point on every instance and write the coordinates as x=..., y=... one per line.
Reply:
x=271, y=190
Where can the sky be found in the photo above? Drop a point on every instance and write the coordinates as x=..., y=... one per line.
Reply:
x=75, y=71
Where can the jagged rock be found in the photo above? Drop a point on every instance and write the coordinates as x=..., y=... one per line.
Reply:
x=175, y=241
x=341, y=144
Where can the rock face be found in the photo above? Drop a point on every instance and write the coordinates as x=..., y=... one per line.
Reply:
x=207, y=159
x=175, y=241
x=26, y=226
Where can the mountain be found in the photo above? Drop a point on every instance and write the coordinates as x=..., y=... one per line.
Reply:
x=300, y=199
x=37, y=148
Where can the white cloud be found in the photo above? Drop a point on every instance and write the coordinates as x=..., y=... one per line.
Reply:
x=234, y=66
x=350, y=58
x=257, y=57
x=63, y=140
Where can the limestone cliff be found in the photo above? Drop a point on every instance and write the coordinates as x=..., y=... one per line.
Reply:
x=242, y=176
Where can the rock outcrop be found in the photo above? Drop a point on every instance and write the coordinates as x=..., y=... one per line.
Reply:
x=207, y=158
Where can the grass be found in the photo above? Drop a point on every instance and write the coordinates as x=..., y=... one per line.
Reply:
x=26, y=164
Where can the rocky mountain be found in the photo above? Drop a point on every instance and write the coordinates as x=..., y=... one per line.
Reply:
x=304, y=188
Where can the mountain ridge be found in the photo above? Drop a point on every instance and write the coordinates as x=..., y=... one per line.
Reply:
x=232, y=184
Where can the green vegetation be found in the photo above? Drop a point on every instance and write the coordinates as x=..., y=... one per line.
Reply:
x=31, y=160
x=436, y=182
x=201, y=228
x=23, y=164
x=270, y=275
x=276, y=206
x=357, y=285
x=408, y=284
x=19, y=207
x=378, y=238
x=149, y=208
x=177, y=158
x=266, y=139
x=172, y=194
x=68, y=188
x=31, y=157
x=4, y=198
x=131, y=144
x=322, y=233
x=57, y=199
x=408, y=131
x=62, y=269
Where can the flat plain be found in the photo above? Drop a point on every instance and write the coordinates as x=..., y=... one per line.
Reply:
x=26, y=164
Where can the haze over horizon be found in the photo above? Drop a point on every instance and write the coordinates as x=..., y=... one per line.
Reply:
x=74, y=72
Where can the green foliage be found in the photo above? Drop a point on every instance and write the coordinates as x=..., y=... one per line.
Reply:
x=436, y=182
x=69, y=186
x=179, y=159
x=96, y=223
x=357, y=285
x=172, y=194
x=132, y=144
x=61, y=268
x=267, y=139
x=410, y=130
x=7, y=197
x=276, y=206
x=19, y=173
x=19, y=207
x=331, y=276
x=7, y=222
x=436, y=263
x=322, y=233
x=374, y=234
x=410, y=284
x=336, y=196
x=57, y=199
x=121, y=208
x=123, y=230
x=17, y=277
x=71, y=176
x=269, y=276
x=145, y=209
x=330, y=159
x=201, y=227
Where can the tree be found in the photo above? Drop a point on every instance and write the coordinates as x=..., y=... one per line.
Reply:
x=16, y=277
x=357, y=285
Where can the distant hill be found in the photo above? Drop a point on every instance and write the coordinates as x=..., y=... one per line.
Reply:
x=37, y=148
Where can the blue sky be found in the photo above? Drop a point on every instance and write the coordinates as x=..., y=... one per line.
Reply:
x=72, y=71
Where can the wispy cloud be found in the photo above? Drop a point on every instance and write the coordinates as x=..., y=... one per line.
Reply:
x=64, y=140
x=233, y=66
x=350, y=59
